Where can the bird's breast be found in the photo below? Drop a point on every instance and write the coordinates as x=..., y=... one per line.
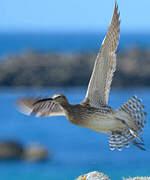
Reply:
x=96, y=121
x=102, y=123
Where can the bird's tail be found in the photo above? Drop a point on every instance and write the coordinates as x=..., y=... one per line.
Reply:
x=135, y=110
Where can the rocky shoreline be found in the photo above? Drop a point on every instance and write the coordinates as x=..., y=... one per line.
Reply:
x=101, y=176
x=32, y=69
x=11, y=150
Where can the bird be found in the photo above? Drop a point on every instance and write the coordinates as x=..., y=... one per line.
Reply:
x=123, y=125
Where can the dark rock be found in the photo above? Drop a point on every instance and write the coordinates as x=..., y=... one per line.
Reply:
x=38, y=70
x=10, y=150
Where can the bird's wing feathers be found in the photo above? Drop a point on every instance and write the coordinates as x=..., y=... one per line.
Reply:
x=40, y=107
x=105, y=64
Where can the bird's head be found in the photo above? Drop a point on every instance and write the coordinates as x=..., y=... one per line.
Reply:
x=59, y=98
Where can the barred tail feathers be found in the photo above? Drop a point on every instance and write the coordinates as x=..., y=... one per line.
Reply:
x=136, y=111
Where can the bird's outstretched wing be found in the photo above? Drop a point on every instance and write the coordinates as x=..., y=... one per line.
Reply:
x=39, y=107
x=105, y=64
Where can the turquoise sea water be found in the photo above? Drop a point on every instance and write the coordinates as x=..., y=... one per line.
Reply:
x=12, y=43
x=75, y=150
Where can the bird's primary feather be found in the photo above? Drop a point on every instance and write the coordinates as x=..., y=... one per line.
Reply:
x=105, y=64
x=40, y=107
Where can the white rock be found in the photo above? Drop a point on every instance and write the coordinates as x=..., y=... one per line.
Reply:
x=96, y=176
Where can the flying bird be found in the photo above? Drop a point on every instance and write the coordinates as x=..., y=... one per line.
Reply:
x=123, y=125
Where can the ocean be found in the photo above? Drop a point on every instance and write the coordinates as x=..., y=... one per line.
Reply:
x=14, y=43
x=74, y=150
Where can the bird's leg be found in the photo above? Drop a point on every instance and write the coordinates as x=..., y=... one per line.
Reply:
x=138, y=144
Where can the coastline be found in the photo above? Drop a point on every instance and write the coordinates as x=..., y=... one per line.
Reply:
x=34, y=69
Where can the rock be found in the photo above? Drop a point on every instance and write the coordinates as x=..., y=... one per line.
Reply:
x=10, y=150
x=82, y=177
x=35, y=153
x=46, y=69
x=137, y=178
x=93, y=176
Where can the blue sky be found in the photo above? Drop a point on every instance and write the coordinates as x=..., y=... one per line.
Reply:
x=72, y=15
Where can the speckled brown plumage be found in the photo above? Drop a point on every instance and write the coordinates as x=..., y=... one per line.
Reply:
x=123, y=125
